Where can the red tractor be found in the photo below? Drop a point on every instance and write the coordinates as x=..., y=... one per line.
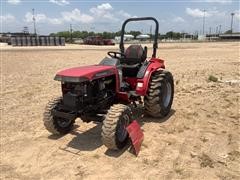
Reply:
x=93, y=40
x=98, y=40
x=116, y=91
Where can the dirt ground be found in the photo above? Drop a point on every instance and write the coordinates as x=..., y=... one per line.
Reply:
x=198, y=140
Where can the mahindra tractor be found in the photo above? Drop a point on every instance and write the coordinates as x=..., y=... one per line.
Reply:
x=121, y=88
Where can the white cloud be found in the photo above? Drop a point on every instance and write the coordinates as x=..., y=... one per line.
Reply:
x=105, y=6
x=42, y=18
x=7, y=18
x=55, y=21
x=15, y=2
x=219, y=1
x=38, y=17
x=178, y=19
x=60, y=2
x=103, y=12
x=124, y=14
x=76, y=15
x=66, y=16
x=197, y=12
x=237, y=14
x=208, y=13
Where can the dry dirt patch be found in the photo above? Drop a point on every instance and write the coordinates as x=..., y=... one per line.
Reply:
x=200, y=139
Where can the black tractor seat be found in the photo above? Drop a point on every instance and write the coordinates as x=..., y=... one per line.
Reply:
x=135, y=56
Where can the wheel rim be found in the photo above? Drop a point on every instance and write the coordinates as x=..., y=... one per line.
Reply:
x=167, y=93
x=121, y=130
x=63, y=123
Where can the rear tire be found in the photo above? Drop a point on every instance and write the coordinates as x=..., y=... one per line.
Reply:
x=56, y=125
x=114, y=132
x=159, y=98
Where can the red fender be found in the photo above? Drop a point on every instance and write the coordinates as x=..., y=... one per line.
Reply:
x=142, y=84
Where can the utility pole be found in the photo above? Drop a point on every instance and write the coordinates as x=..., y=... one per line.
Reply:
x=220, y=26
x=232, y=14
x=203, y=20
x=71, y=30
x=25, y=30
x=216, y=30
x=34, y=22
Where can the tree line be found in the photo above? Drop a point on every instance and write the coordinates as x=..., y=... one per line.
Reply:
x=111, y=35
x=84, y=34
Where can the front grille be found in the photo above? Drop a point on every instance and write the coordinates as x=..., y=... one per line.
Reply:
x=70, y=100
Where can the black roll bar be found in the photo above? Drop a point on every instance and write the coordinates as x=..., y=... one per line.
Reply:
x=155, y=44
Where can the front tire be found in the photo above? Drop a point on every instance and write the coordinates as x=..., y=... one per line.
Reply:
x=159, y=98
x=56, y=125
x=114, y=132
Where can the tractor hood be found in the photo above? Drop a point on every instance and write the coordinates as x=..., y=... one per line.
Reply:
x=84, y=73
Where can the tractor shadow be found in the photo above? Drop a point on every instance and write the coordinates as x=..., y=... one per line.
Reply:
x=118, y=153
x=56, y=136
x=87, y=140
x=90, y=139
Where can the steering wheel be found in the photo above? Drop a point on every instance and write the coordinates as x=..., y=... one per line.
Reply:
x=117, y=55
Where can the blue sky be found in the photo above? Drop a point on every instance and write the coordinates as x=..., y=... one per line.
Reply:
x=57, y=15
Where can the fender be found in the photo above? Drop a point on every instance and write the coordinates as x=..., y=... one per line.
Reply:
x=142, y=83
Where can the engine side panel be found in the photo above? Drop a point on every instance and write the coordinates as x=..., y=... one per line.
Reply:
x=89, y=97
